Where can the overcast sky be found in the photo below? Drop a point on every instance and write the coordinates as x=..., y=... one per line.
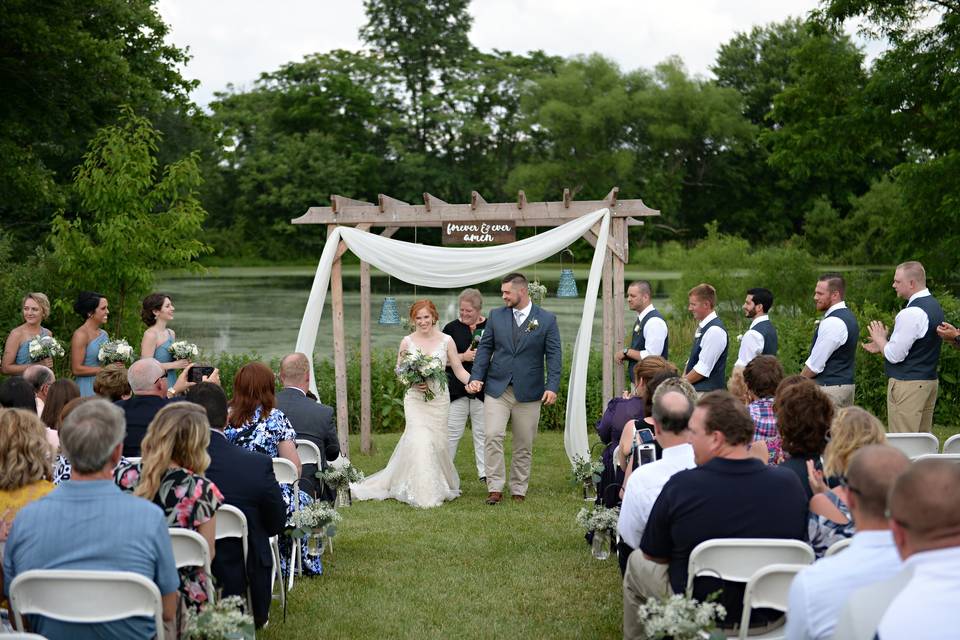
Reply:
x=233, y=41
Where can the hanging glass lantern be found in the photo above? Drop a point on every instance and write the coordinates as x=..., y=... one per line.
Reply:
x=567, y=288
x=388, y=311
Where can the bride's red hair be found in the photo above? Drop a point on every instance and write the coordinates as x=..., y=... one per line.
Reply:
x=424, y=304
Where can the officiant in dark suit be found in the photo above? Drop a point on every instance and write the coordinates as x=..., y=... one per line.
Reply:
x=519, y=342
x=311, y=420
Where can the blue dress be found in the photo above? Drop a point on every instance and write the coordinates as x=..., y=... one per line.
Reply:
x=162, y=354
x=23, y=353
x=90, y=359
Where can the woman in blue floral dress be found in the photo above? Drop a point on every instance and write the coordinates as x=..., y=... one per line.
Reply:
x=171, y=476
x=257, y=425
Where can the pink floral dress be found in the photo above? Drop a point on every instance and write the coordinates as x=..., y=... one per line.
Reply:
x=188, y=500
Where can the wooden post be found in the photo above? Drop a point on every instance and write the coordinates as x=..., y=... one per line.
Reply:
x=365, y=404
x=618, y=229
x=340, y=353
x=608, y=313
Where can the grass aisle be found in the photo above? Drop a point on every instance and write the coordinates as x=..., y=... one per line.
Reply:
x=465, y=569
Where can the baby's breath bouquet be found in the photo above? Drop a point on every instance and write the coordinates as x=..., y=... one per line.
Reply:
x=599, y=518
x=183, y=350
x=45, y=347
x=419, y=368
x=585, y=471
x=340, y=477
x=222, y=620
x=680, y=618
x=115, y=351
x=314, y=518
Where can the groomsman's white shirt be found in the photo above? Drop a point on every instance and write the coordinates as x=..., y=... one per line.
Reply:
x=643, y=488
x=831, y=334
x=911, y=325
x=712, y=344
x=520, y=315
x=751, y=344
x=654, y=334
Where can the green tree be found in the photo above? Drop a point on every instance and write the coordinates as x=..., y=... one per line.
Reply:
x=135, y=219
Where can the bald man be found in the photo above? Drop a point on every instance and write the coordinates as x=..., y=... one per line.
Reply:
x=911, y=354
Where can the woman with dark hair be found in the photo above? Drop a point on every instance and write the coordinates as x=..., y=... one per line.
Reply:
x=17, y=393
x=804, y=414
x=86, y=340
x=61, y=392
x=16, y=351
x=156, y=312
x=644, y=373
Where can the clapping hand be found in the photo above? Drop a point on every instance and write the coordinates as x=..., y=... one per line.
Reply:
x=878, y=337
x=815, y=477
x=947, y=331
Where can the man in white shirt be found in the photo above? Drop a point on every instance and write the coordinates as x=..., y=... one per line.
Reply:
x=911, y=354
x=761, y=337
x=707, y=364
x=832, y=355
x=924, y=510
x=672, y=408
x=649, y=337
x=819, y=592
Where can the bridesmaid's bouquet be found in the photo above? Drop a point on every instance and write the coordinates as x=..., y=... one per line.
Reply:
x=419, y=368
x=45, y=347
x=115, y=351
x=183, y=350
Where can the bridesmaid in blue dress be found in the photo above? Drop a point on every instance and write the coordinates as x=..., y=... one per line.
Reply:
x=86, y=341
x=16, y=351
x=157, y=311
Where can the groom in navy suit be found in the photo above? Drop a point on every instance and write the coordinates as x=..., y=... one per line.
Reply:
x=519, y=338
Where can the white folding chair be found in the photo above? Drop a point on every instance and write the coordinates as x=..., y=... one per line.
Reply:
x=952, y=445
x=134, y=459
x=767, y=588
x=949, y=457
x=914, y=444
x=85, y=597
x=190, y=549
x=231, y=523
x=275, y=571
x=286, y=473
x=308, y=451
x=15, y=635
x=737, y=559
x=837, y=547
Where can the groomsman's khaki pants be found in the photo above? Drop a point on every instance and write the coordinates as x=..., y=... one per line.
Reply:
x=910, y=405
x=524, y=418
x=841, y=394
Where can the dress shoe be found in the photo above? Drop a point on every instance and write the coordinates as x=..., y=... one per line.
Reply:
x=483, y=478
x=494, y=497
x=519, y=498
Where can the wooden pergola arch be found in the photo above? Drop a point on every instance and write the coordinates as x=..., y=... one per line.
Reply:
x=390, y=214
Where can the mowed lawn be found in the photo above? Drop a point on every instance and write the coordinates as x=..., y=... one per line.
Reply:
x=462, y=570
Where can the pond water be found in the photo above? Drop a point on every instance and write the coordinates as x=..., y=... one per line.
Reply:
x=258, y=310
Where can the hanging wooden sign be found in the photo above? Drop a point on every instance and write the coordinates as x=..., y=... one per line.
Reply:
x=477, y=232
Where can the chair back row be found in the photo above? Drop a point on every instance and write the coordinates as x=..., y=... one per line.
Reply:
x=914, y=445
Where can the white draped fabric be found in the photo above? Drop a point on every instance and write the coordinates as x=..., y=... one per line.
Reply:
x=448, y=268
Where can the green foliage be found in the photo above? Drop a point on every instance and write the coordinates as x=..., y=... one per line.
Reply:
x=133, y=221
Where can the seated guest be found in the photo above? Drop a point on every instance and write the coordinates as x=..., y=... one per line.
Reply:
x=40, y=378
x=311, y=420
x=819, y=592
x=111, y=382
x=171, y=476
x=618, y=413
x=672, y=406
x=728, y=495
x=150, y=394
x=61, y=392
x=89, y=524
x=804, y=413
x=26, y=471
x=762, y=376
x=17, y=393
x=646, y=372
x=61, y=469
x=920, y=601
x=247, y=482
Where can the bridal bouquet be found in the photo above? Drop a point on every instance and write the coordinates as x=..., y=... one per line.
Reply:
x=419, y=368
x=45, y=347
x=340, y=477
x=183, y=350
x=314, y=518
x=221, y=620
x=115, y=351
x=681, y=618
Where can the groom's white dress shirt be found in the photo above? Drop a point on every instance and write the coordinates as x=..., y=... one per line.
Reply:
x=520, y=315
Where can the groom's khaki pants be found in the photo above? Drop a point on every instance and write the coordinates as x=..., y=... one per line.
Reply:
x=524, y=417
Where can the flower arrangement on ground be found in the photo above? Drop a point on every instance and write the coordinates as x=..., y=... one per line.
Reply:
x=598, y=518
x=340, y=477
x=223, y=620
x=418, y=368
x=318, y=517
x=681, y=618
x=183, y=350
x=43, y=347
x=115, y=351
x=585, y=471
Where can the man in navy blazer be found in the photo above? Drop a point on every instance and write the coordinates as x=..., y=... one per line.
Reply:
x=311, y=420
x=247, y=482
x=519, y=338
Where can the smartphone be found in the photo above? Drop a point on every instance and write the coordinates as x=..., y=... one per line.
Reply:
x=198, y=372
x=646, y=436
x=648, y=453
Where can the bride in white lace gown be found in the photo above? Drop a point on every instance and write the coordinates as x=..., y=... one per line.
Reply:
x=420, y=471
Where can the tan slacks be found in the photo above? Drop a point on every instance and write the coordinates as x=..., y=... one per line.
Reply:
x=524, y=418
x=910, y=405
x=643, y=579
x=841, y=394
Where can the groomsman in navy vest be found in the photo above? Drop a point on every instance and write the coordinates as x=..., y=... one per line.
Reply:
x=707, y=364
x=831, y=361
x=649, y=337
x=761, y=338
x=911, y=354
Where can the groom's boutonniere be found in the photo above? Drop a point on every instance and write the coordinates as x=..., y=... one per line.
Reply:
x=532, y=326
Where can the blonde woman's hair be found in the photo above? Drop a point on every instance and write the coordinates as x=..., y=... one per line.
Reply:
x=42, y=301
x=25, y=454
x=179, y=434
x=852, y=428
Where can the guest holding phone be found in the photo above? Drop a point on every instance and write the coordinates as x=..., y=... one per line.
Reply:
x=643, y=374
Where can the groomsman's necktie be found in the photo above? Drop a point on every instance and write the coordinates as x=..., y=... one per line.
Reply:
x=517, y=315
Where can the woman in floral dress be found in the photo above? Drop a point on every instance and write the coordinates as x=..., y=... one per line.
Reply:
x=257, y=425
x=171, y=476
